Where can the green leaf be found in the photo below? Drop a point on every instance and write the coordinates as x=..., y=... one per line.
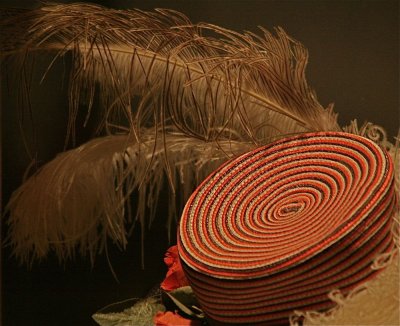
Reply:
x=140, y=314
x=186, y=301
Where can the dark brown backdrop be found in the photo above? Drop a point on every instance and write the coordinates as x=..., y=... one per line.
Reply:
x=353, y=62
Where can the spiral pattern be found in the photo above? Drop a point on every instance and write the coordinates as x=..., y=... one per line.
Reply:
x=279, y=227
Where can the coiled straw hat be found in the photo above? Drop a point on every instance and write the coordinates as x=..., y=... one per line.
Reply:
x=278, y=228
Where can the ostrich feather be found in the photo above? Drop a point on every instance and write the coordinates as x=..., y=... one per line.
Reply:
x=200, y=78
x=79, y=198
x=186, y=97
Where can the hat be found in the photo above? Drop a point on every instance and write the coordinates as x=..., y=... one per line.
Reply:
x=277, y=228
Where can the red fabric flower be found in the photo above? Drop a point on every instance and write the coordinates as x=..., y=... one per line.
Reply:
x=175, y=277
x=173, y=319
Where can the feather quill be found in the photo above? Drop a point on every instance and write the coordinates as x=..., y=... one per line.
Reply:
x=186, y=96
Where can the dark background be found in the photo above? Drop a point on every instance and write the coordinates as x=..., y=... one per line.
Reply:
x=354, y=57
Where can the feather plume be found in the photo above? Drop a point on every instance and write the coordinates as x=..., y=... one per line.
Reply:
x=79, y=198
x=187, y=97
x=201, y=84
